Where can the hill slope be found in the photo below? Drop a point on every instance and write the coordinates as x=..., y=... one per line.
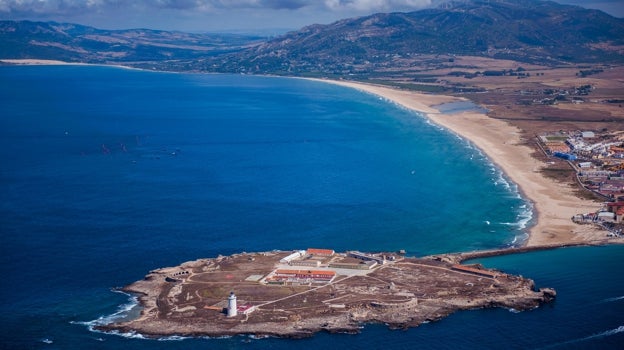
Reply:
x=76, y=43
x=522, y=30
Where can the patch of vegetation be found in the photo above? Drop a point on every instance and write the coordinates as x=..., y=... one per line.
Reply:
x=214, y=293
x=410, y=86
x=584, y=193
x=584, y=73
x=559, y=174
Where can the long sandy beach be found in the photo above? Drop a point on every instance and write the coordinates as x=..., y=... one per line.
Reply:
x=36, y=62
x=554, y=203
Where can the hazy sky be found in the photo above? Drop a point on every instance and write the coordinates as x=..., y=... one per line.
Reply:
x=223, y=15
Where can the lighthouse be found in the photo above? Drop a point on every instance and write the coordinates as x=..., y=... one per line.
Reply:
x=232, y=308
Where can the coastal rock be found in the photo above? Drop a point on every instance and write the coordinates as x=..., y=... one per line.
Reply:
x=548, y=293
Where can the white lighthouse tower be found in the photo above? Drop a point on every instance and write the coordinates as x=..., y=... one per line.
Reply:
x=232, y=308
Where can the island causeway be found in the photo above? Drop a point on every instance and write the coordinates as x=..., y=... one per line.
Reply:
x=298, y=293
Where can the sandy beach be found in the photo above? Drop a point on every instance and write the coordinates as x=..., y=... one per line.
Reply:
x=37, y=62
x=554, y=203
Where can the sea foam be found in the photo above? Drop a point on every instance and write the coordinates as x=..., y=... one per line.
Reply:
x=123, y=312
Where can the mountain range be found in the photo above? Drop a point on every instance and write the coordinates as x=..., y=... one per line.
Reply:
x=529, y=31
x=78, y=43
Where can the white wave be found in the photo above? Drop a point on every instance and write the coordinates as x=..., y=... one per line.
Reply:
x=122, y=312
x=523, y=220
x=46, y=341
x=429, y=122
x=525, y=216
x=519, y=240
x=135, y=335
x=610, y=300
x=218, y=337
x=500, y=180
x=92, y=324
x=607, y=333
x=610, y=332
x=173, y=338
x=257, y=337
x=129, y=335
x=509, y=223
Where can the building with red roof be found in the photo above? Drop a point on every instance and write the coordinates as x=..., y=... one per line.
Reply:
x=320, y=252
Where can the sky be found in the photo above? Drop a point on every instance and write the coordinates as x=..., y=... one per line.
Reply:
x=259, y=16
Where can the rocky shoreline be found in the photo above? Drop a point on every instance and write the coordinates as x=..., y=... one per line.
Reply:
x=189, y=300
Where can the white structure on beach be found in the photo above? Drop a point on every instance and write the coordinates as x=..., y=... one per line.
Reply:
x=232, y=309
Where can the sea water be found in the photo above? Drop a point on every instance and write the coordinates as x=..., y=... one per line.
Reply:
x=108, y=173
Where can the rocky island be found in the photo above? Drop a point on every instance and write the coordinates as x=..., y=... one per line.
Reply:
x=298, y=293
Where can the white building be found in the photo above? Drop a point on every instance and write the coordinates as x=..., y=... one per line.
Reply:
x=296, y=255
x=606, y=216
x=585, y=165
x=588, y=134
x=232, y=309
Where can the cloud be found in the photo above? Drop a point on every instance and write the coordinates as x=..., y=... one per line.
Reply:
x=376, y=5
x=74, y=6
x=56, y=7
x=203, y=15
x=52, y=6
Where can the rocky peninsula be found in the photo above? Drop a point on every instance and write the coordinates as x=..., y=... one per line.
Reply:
x=298, y=293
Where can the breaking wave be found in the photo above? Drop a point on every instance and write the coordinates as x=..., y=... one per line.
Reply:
x=127, y=311
x=610, y=300
x=124, y=311
x=604, y=334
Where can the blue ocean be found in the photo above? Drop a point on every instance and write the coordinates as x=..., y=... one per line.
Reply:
x=108, y=173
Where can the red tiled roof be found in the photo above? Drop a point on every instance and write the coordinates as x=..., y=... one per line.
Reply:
x=320, y=251
x=306, y=272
